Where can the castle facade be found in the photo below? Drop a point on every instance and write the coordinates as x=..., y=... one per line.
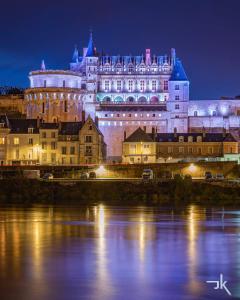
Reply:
x=123, y=93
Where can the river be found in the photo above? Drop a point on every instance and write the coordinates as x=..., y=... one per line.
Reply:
x=103, y=252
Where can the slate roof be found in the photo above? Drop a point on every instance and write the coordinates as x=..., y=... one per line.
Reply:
x=70, y=128
x=178, y=73
x=49, y=125
x=141, y=136
x=22, y=125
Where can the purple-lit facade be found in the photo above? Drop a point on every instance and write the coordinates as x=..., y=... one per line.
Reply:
x=124, y=93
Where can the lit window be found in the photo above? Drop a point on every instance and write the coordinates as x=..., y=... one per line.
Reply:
x=16, y=141
x=88, y=139
x=2, y=140
x=30, y=130
x=30, y=141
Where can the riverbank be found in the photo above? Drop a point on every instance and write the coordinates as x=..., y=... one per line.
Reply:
x=175, y=192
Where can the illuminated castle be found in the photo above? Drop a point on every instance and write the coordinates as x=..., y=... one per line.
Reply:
x=123, y=93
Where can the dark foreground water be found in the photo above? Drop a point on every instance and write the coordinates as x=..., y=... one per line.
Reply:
x=49, y=253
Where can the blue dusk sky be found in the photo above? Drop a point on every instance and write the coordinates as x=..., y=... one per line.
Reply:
x=206, y=35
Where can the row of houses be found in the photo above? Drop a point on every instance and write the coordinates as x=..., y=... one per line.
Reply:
x=30, y=141
x=142, y=147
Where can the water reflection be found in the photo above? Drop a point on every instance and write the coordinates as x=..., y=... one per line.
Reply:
x=114, y=253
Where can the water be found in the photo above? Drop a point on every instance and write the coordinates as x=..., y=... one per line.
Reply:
x=118, y=253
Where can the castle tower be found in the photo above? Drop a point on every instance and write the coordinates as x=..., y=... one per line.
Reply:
x=178, y=96
x=90, y=62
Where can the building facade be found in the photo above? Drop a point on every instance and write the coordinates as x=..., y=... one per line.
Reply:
x=125, y=92
x=142, y=147
x=30, y=141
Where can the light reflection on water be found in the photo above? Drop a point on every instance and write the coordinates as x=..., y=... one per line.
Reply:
x=117, y=253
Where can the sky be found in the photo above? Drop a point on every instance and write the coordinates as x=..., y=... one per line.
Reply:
x=205, y=34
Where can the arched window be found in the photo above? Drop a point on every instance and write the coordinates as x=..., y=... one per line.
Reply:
x=199, y=139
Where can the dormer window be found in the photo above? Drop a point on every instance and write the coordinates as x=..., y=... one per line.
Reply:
x=199, y=139
x=181, y=139
x=190, y=139
x=30, y=130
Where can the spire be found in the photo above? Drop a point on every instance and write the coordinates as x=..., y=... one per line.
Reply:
x=75, y=55
x=90, y=48
x=178, y=73
x=43, y=67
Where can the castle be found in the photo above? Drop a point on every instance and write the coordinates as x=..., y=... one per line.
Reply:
x=123, y=93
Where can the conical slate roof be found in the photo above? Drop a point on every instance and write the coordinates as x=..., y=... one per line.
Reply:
x=178, y=73
x=90, y=49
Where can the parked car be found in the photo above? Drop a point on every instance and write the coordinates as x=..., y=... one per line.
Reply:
x=92, y=175
x=47, y=176
x=84, y=175
x=219, y=177
x=147, y=174
x=208, y=175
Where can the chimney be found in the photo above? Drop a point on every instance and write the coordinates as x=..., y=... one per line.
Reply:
x=224, y=132
x=175, y=132
x=83, y=116
x=59, y=126
x=96, y=121
x=153, y=133
x=38, y=122
x=125, y=135
x=148, y=56
x=204, y=132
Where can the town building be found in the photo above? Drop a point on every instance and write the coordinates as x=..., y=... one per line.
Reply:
x=143, y=147
x=31, y=142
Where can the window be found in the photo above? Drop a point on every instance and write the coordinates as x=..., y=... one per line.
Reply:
x=53, y=158
x=133, y=149
x=72, y=160
x=142, y=85
x=190, y=150
x=177, y=87
x=44, y=145
x=154, y=85
x=181, y=139
x=118, y=115
x=53, y=135
x=106, y=115
x=195, y=113
x=199, y=151
x=210, y=150
x=2, y=140
x=214, y=113
x=43, y=107
x=130, y=69
x=65, y=106
x=90, y=127
x=181, y=149
x=72, y=150
x=30, y=141
x=88, y=139
x=129, y=115
x=44, y=135
x=153, y=115
x=16, y=141
x=88, y=150
x=170, y=150
x=177, y=97
x=30, y=130
x=119, y=85
x=165, y=85
x=64, y=83
x=17, y=154
x=64, y=150
x=53, y=146
x=45, y=83
x=130, y=85
x=106, y=85
x=176, y=106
